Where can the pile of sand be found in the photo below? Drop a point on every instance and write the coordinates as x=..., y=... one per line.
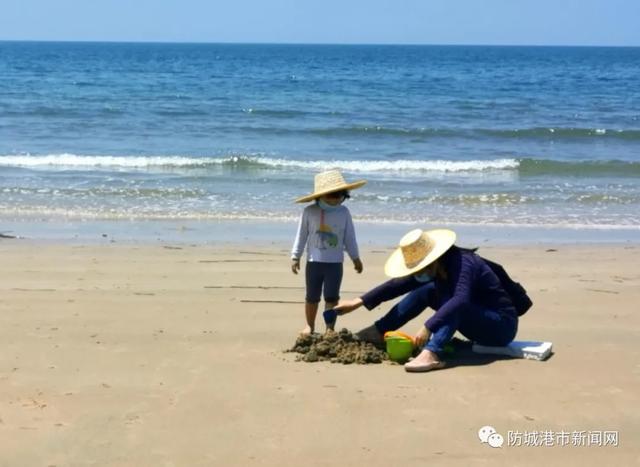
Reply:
x=336, y=347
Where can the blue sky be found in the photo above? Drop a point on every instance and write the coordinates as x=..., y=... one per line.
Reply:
x=505, y=22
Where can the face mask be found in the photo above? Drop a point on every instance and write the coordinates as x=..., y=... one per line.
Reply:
x=423, y=277
x=326, y=206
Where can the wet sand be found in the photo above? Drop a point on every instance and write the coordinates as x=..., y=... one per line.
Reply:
x=149, y=355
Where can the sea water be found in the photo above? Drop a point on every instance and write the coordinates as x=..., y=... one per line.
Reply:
x=477, y=137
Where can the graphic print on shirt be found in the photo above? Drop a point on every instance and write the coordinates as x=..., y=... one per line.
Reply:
x=325, y=235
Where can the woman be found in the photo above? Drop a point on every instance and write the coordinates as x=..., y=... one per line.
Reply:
x=458, y=284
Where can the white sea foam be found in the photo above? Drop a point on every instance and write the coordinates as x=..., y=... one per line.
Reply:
x=370, y=166
x=396, y=166
x=73, y=160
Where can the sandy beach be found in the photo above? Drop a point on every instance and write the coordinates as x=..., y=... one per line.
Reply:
x=172, y=355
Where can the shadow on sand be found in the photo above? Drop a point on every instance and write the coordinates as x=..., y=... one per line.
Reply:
x=459, y=353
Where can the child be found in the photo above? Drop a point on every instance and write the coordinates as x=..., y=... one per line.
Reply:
x=326, y=229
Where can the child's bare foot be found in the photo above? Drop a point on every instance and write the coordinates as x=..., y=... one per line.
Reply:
x=307, y=330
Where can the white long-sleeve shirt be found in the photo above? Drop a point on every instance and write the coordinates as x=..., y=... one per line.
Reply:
x=326, y=234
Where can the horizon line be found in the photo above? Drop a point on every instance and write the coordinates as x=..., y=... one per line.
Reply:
x=407, y=44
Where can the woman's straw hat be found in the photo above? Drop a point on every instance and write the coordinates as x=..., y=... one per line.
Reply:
x=417, y=250
x=329, y=182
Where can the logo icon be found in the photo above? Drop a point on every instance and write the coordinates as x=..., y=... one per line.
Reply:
x=489, y=435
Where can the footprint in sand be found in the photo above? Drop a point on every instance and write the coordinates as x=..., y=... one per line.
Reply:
x=132, y=418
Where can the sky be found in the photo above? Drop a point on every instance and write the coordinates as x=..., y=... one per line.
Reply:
x=477, y=22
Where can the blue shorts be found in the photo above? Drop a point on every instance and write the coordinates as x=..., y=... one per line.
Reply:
x=323, y=276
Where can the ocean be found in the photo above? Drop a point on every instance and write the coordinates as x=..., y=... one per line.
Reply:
x=473, y=136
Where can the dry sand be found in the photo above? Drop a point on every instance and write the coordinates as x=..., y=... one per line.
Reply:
x=116, y=355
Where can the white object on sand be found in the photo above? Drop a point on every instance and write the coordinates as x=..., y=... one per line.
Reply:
x=520, y=349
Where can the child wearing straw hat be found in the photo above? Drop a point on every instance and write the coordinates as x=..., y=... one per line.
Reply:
x=326, y=230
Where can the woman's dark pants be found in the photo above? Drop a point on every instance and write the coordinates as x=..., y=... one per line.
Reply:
x=478, y=324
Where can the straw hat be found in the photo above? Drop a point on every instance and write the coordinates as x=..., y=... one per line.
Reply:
x=418, y=249
x=329, y=182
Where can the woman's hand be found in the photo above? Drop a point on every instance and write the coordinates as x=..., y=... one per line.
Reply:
x=295, y=265
x=422, y=337
x=347, y=306
x=357, y=264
